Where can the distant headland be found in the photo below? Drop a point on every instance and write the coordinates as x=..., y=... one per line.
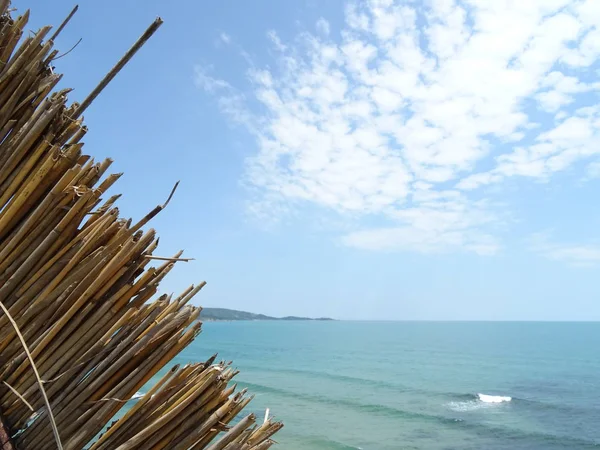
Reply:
x=223, y=314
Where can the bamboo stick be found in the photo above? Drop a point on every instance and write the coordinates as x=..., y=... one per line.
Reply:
x=117, y=68
x=64, y=23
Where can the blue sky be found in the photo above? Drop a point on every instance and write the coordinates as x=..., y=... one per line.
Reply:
x=361, y=160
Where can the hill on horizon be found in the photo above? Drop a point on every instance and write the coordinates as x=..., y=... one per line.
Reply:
x=224, y=314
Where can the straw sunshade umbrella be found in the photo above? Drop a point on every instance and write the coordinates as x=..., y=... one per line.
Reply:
x=81, y=329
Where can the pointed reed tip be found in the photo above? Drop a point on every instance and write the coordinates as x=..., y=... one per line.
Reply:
x=170, y=195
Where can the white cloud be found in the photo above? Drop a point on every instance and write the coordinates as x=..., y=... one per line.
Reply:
x=209, y=83
x=323, y=26
x=411, y=102
x=593, y=170
x=559, y=90
x=581, y=255
x=225, y=38
x=274, y=38
x=231, y=102
x=443, y=221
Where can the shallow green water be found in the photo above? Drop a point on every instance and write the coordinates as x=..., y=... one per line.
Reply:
x=410, y=385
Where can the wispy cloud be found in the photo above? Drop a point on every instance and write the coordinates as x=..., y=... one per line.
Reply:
x=593, y=170
x=211, y=84
x=323, y=26
x=396, y=120
x=231, y=101
x=573, y=254
x=225, y=38
x=274, y=38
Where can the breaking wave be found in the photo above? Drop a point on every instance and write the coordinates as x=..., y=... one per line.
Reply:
x=468, y=402
x=477, y=401
x=493, y=398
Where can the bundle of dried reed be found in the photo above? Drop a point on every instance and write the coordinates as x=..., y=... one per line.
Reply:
x=79, y=334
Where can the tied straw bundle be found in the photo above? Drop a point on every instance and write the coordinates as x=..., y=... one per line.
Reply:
x=79, y=334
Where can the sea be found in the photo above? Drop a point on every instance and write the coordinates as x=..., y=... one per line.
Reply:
x=417, y=385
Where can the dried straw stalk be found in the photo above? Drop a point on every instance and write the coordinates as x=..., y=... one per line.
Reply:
x=79, y=332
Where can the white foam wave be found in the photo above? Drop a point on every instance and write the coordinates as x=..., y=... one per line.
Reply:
x=493, y=398
x=138, y=394
x=471, y=405
x=481, y=401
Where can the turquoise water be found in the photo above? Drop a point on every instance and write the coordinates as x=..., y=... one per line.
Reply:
x=414, y=385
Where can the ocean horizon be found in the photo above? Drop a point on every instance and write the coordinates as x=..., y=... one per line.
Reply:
x=419, y=320
x=333, y=319
x=387, y=385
